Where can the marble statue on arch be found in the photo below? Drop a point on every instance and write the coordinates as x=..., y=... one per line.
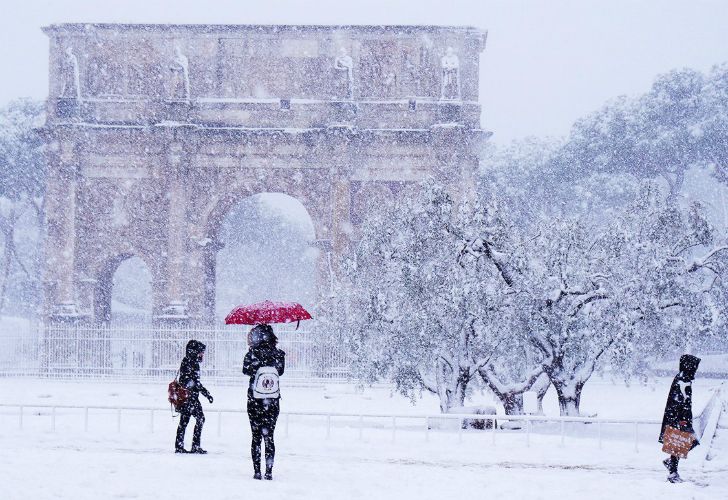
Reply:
x=71, y=78
x=450, y=64
x=345, y=64
x=180, y=76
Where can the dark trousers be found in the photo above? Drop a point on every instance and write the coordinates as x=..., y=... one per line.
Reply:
x=191, y=408
x=672, y=464
x=263, y=415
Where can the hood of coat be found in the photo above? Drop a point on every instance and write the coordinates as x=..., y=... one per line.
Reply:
x=194, y=348
x=688, y=367
x=262, y=335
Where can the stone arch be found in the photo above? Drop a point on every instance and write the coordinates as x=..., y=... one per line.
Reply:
x=207, y=233
x=175, y=166
x=221, y=203
x=103, y=284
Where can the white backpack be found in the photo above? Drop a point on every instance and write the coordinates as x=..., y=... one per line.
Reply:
x=265, y=384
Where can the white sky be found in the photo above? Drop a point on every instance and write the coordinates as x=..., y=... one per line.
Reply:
x=547, y=62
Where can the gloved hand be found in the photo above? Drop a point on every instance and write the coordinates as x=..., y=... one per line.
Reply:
x=683, y=423
x=207, y=394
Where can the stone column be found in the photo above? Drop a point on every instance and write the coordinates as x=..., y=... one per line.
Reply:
x=341, y=219
x=175, y=310
x=324, y=268
x=200, y=273
x=61, y=230
x=343, y=155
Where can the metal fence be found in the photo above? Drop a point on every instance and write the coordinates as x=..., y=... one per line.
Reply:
x=550, y=430
x=145, y=352
x=628, y=433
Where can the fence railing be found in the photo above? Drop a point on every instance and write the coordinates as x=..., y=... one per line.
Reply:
x=121, y=352
x=391, y=422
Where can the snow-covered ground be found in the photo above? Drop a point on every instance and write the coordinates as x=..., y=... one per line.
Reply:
x=37, y=463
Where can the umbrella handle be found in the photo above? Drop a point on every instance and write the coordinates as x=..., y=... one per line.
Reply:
x=298, y=323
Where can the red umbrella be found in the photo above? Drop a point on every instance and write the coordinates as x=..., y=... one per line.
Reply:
x=267, y=312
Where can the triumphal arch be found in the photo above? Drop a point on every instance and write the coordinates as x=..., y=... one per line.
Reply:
x=155, y=131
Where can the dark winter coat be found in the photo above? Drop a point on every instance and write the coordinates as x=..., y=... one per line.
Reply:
x=189, y=371
x=262, y=355
x=679, y=407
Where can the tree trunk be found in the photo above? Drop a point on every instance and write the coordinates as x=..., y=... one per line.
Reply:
x=450, y=386
x=513, y=403
x=541, y=387
x=452, y=395
x=510, y=395
x=569, y=395
x=8, y=230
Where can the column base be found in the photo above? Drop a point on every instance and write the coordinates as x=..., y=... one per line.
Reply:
x=67, y=312
x=174, y=313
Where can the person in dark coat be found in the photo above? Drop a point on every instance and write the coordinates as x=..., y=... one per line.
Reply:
x=189, y=378
x=679, y=409
x=263, y=359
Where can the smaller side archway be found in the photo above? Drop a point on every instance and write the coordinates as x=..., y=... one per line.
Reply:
x=123, y=292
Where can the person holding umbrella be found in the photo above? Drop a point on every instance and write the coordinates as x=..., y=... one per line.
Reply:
x=264, y=363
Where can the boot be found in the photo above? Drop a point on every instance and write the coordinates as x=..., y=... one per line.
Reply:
x=180, y=450
x=268, y=473
x=198, y=450
x=256, y=475
x=666, y=463
x=674, y=478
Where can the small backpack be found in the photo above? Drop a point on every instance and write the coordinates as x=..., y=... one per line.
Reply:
x=265, y=384
x=177, y=394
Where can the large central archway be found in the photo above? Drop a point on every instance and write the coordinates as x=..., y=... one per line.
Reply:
x=266, y=252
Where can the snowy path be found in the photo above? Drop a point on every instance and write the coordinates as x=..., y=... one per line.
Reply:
x=103, y=463
x=41, y=465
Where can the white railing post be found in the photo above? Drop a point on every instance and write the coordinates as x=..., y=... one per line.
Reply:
x=53, y=419
x=636, y=437
x=563, y=432
x=219, y=423
x=460, y=430
x=494, y=426
x=118, y=420
x=85, y=419
x=427, y=428
x=151, y=421
x=288, y=418
x=361, y=427
x=394, y=429
x=328, y=425
x=20, y=418
x=528, y=433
